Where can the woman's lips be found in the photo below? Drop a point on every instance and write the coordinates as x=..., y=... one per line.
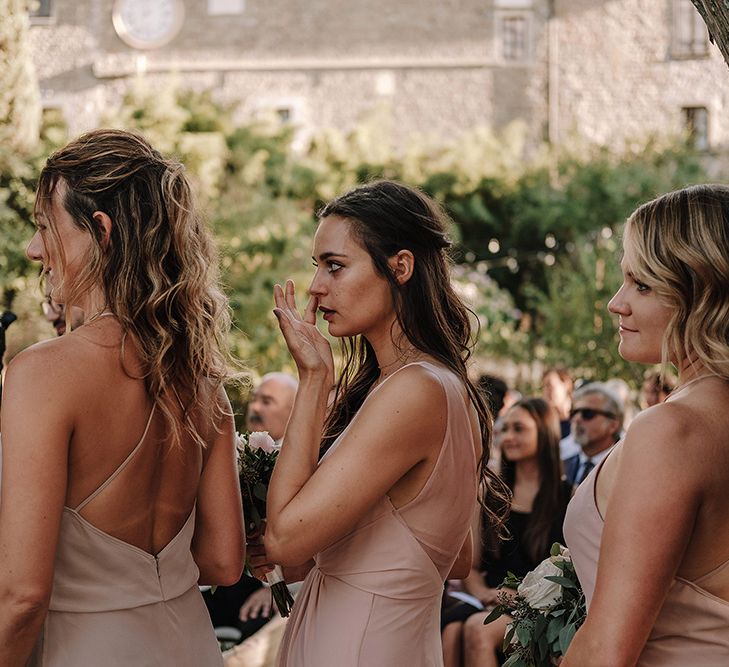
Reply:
x=328, y=314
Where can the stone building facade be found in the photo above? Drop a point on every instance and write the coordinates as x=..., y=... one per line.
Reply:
x=605, y=70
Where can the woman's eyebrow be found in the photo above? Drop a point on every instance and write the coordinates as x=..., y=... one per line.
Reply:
x=328, y=255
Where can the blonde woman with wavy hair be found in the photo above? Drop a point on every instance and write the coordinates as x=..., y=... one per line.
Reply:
x=656, y=511
x=119, y=486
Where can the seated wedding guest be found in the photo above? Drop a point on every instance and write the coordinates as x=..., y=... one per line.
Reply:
x=119, y=484
x=557, y=391
x=55, y=313
x=375, y=494
x=625, y=394
x=557, y=387
x=657, y=387
x=648, y=530
x=532, y=469
x=270, y=406
x=495, y=392
x=597, y=424
x=246, y=605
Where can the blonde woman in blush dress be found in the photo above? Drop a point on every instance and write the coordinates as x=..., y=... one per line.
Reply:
x=119, y=485
x=649, y=529
x=386, y=512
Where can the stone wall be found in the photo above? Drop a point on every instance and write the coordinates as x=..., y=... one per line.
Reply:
x=602, y=70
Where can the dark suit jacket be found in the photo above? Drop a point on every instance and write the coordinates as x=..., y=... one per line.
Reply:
x=571, y=467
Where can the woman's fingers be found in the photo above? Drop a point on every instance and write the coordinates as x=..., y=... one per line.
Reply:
x=290, y=294
x=278, y=296
x=310, y=311
x=285, y=299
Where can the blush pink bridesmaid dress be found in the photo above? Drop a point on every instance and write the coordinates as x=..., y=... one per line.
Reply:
x=373, y=597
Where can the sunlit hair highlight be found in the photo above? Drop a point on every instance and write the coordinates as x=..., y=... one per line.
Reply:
x=679, y=245
x=158, y=272
x=387, y=217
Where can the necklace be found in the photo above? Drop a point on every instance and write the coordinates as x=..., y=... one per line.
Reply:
x=99, y=315
x=403, y=360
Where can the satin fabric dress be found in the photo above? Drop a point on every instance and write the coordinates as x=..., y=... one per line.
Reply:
x=115, y=605
x=692, y=627
x=373, y=597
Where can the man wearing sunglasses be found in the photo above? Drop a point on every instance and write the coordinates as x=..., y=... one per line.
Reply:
x=597, y=423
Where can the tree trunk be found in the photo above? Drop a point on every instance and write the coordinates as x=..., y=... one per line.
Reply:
x=716, y=16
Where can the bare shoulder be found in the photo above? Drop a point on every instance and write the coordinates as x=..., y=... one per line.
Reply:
x=414, y=385
x=50, y=358
x=670, y=437
x=660, y=422
x=410, y=406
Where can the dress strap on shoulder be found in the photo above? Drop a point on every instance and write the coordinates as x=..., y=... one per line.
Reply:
x=719, y=568
x=121, y=467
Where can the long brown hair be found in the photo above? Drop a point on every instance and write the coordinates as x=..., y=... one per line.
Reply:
x=551, y=499
x=158, y=272
x=387, y=217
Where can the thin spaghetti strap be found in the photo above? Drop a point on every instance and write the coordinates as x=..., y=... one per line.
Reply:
x=123, y=465
x=711, y=573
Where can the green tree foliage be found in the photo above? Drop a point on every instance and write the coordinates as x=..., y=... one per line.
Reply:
x=535, y=237
x=575, y=328
x=19, y=95
x=18, y=178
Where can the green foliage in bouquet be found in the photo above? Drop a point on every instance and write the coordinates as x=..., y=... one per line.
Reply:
x=255, y=467
x=257, y=454
x=547, y=610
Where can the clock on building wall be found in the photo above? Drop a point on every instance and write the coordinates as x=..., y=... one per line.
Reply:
x=148, y=24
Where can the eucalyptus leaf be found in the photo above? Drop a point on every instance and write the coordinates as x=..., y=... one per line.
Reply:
x=507, y=638
x=555, y=625
x=497, y=612
x=562, y=581
x=540, y=626
x=523, y=634
x=565, y=637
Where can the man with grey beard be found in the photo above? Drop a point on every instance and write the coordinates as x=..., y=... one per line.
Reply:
x=597, y=423
x=271, y=404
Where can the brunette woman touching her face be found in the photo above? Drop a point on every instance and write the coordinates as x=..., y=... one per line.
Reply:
x=385, y=511
x=648, y=529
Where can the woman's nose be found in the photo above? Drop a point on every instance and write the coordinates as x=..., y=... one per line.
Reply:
x=316, y=286
x=617, y=304
x=35, y=248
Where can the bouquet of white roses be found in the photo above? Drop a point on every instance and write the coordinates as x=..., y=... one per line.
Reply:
x=548, y=608
x=257, y=454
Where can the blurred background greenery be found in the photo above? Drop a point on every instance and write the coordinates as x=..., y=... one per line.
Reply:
x=537, y=236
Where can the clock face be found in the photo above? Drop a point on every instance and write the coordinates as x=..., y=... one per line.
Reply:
x=147, y=24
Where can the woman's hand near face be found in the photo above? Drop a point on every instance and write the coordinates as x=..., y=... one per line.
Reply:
x=310, y=350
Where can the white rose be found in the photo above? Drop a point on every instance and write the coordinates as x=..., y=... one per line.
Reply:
x=539, y=592
x=261, y=440
x=562, y=556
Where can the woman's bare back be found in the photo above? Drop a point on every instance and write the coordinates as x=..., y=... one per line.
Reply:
x=151, y=497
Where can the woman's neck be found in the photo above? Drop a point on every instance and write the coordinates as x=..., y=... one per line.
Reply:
x=527, y=471
x=392, y=350
x=689, y=370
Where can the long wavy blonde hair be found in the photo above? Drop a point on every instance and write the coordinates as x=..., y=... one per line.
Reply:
x=680, y=242
x=158, y=271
